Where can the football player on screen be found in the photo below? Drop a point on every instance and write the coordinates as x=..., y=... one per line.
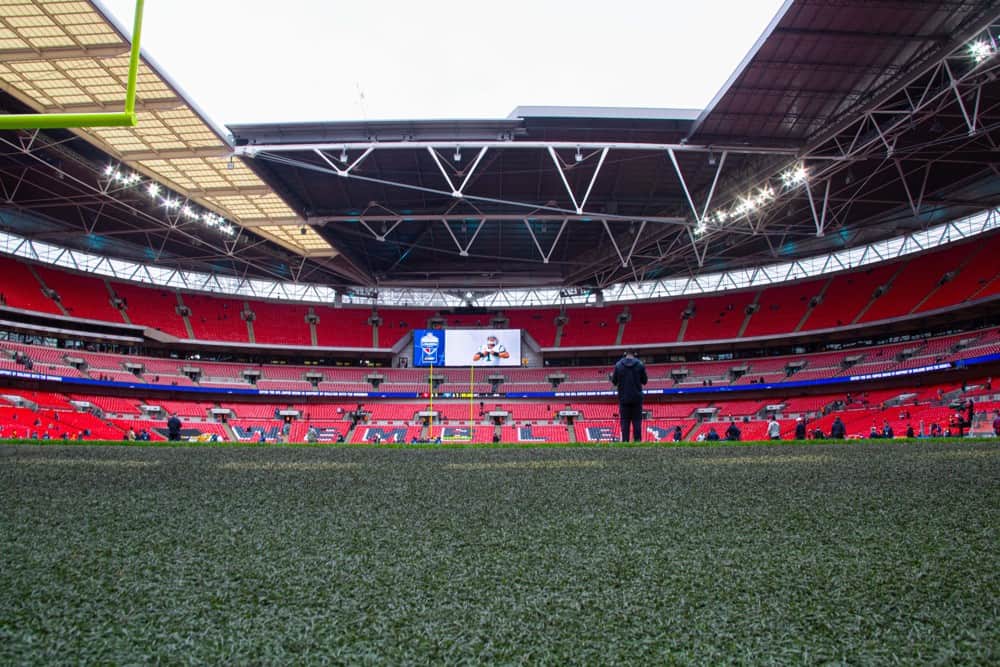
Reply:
x=491, y=351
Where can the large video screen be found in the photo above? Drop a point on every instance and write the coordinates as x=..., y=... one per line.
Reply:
x=467, y=347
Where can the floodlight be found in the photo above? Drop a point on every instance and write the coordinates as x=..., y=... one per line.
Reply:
x=153, y=189
x=794, y=176
x=458, y=154
x=579, y=155
x=343, y=155
x=109, y=170
x=981, y=50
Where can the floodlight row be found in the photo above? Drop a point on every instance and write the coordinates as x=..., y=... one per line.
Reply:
x=161, y=196
x=756, y=198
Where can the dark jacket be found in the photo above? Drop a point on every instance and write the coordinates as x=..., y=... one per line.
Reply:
x=174, y=425
x=837, y=430
x=629, y=376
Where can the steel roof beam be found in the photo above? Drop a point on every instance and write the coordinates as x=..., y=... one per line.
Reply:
x=63, y=53
x=252, y=150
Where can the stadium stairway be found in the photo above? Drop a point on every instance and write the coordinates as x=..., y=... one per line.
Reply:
x=684, y=323
x=251, y=335
x=755, y=304
x=230, y=433
x=313, y=337
x=957, y=270
x=879, y=293
x=809, y=310
x=184, y=316
x=46, y=290
x=985, y=288
x=114, y=299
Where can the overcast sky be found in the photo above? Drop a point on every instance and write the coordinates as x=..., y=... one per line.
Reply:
x=245, y=61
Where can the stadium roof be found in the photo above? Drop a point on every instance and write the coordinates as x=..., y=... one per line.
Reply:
x=847, y=123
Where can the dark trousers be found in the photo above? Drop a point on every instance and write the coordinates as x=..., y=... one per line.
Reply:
x=631, y=414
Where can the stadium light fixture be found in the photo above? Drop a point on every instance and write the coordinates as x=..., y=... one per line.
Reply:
x=794, y=176
x=981, y=50
x=579, y=155
x=160, y=195
x=343, y=155
x=458, y=154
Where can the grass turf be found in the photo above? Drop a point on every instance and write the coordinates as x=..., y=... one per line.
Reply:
x=861, y=553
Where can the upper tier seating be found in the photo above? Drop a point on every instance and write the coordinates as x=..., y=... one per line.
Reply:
x=216, y=318
x=590, y=327
x=344, y=327
x=280, y=323
x=20, y=288
x=781, y=308
x=538, y=322
x=918, y=283
x=846, y=296
x=81, y=295
x=917, y=278
x=152, y=307
x=718, y=317
x=654, y=322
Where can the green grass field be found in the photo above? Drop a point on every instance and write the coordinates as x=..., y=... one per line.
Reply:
x=854, y=554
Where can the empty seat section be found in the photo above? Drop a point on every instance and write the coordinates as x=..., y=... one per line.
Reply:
x=280, y=323
x=672, y=410
x=780, y=309
x=654, y=322
x=919, y=276
x=181, y=408
x=115, y=404
x=590, y=327
x=153, y=307
x=216, y=318
x=846, y=295
x=539, y=323
x=718, y=317
x=81, y=295
x=397, y=322
x=969, y=280
x=343, y=327
x=20, y=289
x=529, y=433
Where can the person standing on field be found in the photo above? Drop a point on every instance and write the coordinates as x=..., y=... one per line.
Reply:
x=774, y=429
x=629, y=377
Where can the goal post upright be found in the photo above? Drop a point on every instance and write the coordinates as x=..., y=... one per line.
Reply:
x=58, y=121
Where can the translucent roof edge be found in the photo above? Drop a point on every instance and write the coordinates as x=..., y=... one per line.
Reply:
x=703, y=284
